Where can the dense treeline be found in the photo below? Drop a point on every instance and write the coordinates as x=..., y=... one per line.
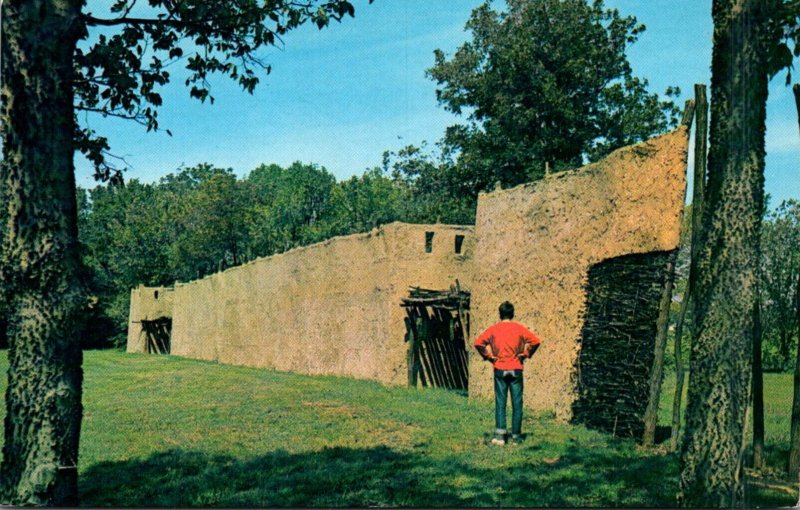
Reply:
x=204, y=219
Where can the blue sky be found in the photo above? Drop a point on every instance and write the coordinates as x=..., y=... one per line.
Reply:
x=341, y=96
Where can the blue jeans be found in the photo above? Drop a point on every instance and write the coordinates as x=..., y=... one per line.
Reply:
x=505, y=380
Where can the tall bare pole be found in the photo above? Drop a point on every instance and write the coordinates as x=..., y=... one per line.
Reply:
x=758, y=384
x=698, y=190
x=662, y=327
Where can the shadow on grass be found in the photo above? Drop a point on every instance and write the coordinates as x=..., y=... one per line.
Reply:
x=382, y=476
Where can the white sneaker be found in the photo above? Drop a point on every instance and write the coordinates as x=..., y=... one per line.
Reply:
x=498, y=440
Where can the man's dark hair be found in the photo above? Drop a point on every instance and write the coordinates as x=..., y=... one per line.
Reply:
x=506, y=310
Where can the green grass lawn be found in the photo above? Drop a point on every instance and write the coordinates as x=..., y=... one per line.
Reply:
x=164, y=431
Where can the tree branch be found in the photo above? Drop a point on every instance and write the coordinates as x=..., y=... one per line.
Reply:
x=92, y=21
x=137, y=117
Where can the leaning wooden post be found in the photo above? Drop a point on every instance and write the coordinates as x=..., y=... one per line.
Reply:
x=698, y=191
x=757, y=386
x=411, y=354
x=461, y=320
x=657, y=371
x=679, y=372
x=662, y=326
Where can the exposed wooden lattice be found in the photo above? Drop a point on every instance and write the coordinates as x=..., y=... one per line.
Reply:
x=437, y=326
x=157, y=333
x=617, y=344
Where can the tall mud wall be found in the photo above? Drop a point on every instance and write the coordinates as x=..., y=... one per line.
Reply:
x=536, y=242
x=330, y=308
x=334, y=307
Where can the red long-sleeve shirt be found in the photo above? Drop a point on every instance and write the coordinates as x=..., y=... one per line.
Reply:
x=507, y=340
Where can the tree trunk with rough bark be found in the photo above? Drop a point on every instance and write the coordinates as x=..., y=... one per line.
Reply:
x=721, y=358
x=40, y=275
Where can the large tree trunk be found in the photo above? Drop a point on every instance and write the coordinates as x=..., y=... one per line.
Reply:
x=726, y=271
x=39, y=268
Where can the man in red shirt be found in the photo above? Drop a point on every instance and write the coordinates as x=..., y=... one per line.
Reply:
x=507, y=344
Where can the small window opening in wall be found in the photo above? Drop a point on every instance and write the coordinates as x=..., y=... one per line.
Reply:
x=155, y=294
x=459, y=242
x=428, y=242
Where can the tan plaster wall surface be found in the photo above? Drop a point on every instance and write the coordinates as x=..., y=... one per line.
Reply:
x=412, y=266
x=536, y=242
x=145, y=306
x=334, y=307
x=330, y=308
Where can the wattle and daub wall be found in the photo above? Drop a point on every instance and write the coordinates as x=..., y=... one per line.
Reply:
x=551, y=247
x=537, y=243
x=330, y=308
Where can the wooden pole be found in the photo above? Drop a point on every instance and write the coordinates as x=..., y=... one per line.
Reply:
x=412, y=374
x=657, y=370
x=464, y=331
x=698, y=191
x=688, y=112
x=758, y=385
x=426, y=371
x=662, y=327
x=679, y=373
x=699, y=184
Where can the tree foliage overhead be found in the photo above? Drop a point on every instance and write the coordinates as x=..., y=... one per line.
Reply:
x=438, y=191
x=546, y=81
x=120, y=73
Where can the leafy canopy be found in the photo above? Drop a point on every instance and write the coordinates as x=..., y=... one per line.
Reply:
x=203, y=219
x=546, y=81
x=120, y=72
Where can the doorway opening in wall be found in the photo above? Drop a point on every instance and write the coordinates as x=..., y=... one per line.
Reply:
x=157, y=334
x=437, y=329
